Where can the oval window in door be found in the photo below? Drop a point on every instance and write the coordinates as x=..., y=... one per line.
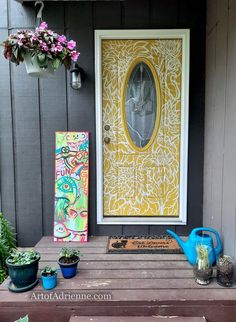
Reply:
x=141, y=104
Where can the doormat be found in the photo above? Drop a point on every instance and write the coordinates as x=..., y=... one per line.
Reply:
x=143, y=245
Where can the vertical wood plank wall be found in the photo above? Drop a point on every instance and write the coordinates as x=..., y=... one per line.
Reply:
x=220, y=122
x=32, y=110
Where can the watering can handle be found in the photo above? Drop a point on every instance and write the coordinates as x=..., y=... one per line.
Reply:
x=218, y=248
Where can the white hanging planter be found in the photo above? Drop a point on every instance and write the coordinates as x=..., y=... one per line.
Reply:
x=33, y=69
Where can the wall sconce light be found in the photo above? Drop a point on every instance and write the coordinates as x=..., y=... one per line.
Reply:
x=77, y=76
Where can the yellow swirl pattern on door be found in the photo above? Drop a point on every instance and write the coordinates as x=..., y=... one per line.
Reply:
x=141, y=182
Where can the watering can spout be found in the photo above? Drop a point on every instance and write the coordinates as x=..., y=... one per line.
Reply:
x=181, y=243
x=197, y=237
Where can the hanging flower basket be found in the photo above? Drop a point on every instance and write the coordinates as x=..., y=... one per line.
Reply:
x=42, y=50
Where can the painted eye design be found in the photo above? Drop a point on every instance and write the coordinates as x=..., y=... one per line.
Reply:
x=66, y=187
x=65, y=149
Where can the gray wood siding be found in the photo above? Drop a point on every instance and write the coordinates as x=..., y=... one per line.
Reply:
x=32, y=110
x=220, y=122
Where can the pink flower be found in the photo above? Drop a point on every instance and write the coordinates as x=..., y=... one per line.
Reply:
x=50, y=32
x=71, y=44
x=53, y=48
x=21, y=36
x=44, y=46
x=59, y=47
x=20, y=43
x=61, y=38
x=35, y=37
x=74, y=55
x=43, y=26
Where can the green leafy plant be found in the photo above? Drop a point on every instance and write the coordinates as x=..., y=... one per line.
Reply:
x=202, y=257
x=48, y=271
x=23, y=257
x=7, y=244
x=24, y=319
x=69, y=254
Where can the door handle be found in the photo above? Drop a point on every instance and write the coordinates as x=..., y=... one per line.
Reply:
x=107, y=127
x=107, y=140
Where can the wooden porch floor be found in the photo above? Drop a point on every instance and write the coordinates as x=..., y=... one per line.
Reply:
x=119, y=285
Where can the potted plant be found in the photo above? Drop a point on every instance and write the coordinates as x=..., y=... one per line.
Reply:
x=23, y=268
x=225, y=271
x=203, y=270
x=49, y=277
x=68, y=261
x=42, y=50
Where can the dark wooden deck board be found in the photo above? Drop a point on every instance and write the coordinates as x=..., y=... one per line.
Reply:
x=128, y=297
x=124, y=265
x=135, y=285
x=120, y=257
x=135, y=319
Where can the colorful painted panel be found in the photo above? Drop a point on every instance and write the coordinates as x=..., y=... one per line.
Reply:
x=71, y=186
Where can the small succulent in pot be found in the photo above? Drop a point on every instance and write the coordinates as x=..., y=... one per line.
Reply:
x=49, y=277
x=48, y=271
x=225, y=271
x=23, y=269
x=203, y=270
x=68, y=261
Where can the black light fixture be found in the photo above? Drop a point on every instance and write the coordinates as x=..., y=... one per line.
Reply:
x=77, y=76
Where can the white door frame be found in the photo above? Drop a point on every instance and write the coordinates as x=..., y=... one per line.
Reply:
x=183, y=34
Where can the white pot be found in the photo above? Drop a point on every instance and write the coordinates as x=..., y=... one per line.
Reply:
x=33, y=69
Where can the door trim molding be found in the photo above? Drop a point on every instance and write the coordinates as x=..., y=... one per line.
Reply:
x=183, y=34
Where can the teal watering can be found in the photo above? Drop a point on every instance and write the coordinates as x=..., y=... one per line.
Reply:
x=197, y=237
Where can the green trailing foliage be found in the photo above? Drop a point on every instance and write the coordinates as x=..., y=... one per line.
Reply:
x=24, y=319
x=7, y=244
x=23, y=257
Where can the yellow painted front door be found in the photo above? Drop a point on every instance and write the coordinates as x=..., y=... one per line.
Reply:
x=141, y=177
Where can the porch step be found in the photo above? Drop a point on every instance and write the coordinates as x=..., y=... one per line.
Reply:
x=136, y=319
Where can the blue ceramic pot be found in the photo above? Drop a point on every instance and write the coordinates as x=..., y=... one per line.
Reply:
x=68, y=270
x=49, y=282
